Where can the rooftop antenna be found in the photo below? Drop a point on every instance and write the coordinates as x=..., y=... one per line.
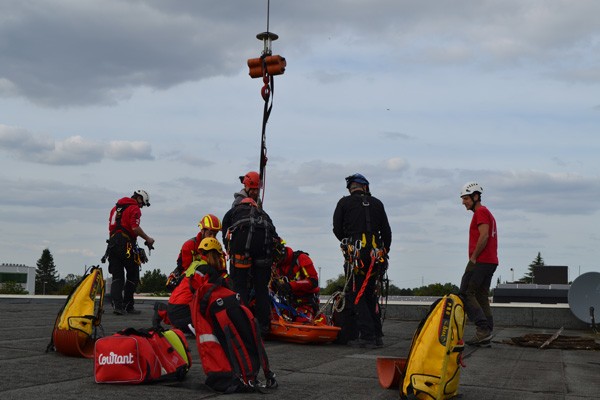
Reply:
x=266, y=66
x=267, y=37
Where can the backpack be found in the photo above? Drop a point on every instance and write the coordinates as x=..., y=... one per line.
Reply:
x=250, y=227
x=227, y=335
x=75, y=327
x=435, y=357
x=141, y=356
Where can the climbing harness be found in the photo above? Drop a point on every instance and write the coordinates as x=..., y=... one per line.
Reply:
x=266, y=66
x=353, y=266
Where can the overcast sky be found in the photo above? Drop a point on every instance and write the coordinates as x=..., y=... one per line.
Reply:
x=99, y=98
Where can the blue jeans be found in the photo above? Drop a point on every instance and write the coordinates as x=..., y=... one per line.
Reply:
x=474, y=291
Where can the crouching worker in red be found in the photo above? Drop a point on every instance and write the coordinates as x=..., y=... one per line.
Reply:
x=227, y=334
x=209, y=226
x=177, y=312
x=296, y=283
x=210, y=267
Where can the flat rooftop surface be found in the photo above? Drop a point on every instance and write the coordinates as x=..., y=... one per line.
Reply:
x=328, y=371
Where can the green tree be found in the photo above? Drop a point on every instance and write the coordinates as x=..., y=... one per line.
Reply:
x=153, y=282
x=12, y=288
x=46, y=277
x=334, y=285
x=68, y=283
x=436, y=289
x=396, y=291
x=537, y=262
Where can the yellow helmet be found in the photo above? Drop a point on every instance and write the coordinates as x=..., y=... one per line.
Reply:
x=210, y=243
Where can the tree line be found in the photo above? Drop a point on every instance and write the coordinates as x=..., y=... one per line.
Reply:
x=48, y=281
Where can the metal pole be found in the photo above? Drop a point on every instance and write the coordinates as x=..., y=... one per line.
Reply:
x=319, y=278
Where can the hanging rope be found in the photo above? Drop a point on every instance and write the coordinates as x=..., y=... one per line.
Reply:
x=265, y=67
x=267, y=93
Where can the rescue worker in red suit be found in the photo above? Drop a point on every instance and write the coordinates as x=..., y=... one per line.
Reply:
x=209, y=226
x=296, y=280
x=123, y=253
x=177, y=311
x=209, y=260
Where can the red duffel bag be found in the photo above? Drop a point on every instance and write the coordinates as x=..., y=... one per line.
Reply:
x=140, y=356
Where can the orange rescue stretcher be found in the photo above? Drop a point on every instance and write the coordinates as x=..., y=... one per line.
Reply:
x=283, y=326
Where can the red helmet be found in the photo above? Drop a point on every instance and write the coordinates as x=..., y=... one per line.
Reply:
x=251, y=180
x=210, y=222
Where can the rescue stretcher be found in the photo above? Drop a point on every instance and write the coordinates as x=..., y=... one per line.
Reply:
x=283, y=326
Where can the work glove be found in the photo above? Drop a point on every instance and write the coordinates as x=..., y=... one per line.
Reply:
x=282, y=288
x=173, y=280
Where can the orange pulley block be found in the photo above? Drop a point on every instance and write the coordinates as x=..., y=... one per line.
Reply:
x=275, y=65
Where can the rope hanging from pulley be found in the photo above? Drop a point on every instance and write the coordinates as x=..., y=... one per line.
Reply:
x=266, y=67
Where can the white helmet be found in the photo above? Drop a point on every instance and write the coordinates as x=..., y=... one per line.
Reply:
x=144, y=195
x=470, y=188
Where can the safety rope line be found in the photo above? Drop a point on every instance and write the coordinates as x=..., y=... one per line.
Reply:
x=384, y=283
x=366, y=281
x=267, y=93
x=351, y=256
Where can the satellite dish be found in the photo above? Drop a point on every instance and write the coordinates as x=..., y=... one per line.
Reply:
x=584, y=296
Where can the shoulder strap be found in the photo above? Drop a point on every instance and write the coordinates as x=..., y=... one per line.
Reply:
x=119, y=210
x=206, y=297
x=135, y=332
x=295, y=256
x=366, y=204
x=256, y=218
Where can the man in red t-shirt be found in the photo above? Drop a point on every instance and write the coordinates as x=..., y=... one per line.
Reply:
x=124, y=229
x=483, y=261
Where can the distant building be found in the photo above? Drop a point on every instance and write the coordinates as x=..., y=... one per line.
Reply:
x=550, y=286
x=551, y=274
x=18, y=273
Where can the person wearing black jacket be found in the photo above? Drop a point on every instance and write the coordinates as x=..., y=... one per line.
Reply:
x=249, y=236
x=360, y=223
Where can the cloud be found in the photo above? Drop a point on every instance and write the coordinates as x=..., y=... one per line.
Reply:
x=396, y=135
x=91, y=53
x=582, y=75
x=22, y=142
x=396, y=164
x=128, y=151
x=74, y=150
x=71, y=151
x=50, y=194
x=63, y=53
x=543, y=192
x=187, y=158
